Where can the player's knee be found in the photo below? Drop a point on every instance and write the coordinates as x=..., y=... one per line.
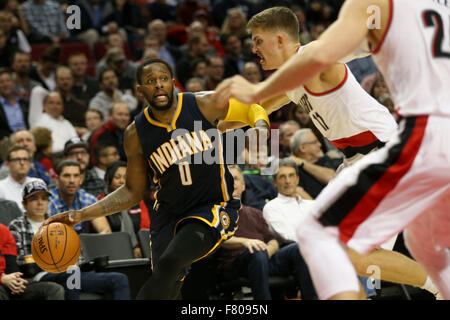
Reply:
x=169, y=263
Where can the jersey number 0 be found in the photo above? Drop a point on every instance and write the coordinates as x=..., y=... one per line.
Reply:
x=185, y=173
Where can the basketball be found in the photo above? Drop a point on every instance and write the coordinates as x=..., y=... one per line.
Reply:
x=56, y=247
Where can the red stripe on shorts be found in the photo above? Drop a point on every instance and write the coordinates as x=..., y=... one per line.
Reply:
x=385, y=184
x=358, y=140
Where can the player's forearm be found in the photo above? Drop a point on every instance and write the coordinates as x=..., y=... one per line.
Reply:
x=117, y=201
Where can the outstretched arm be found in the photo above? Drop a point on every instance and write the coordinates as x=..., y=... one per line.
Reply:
x=339, y=40
x=124, y=197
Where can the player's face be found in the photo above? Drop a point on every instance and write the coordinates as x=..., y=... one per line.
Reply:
x=37, y=204
x=286, y=181
x=157, y=86
x=267, y=46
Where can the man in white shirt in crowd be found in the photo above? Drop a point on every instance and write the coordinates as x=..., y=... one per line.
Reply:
x=285, y=211
x=18, y=161
x=52, y=118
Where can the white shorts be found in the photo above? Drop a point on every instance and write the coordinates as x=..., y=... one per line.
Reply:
x=374, y=199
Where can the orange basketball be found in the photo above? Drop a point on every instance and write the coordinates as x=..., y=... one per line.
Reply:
x=56, y=247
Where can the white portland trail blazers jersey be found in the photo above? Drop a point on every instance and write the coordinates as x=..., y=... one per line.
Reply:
x=347, y=115
x=414, y=56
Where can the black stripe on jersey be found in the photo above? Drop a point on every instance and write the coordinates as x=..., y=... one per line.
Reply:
x=351, y=151
x=368, y=177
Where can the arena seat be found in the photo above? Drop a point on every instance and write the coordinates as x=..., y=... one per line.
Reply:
x=117, y=246
x=144, y=242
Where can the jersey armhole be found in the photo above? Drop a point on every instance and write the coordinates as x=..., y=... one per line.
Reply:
x=391, y=15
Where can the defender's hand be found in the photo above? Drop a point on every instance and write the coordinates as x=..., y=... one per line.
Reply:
x=236, y=87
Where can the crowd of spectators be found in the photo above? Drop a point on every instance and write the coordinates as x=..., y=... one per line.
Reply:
x=67, y=93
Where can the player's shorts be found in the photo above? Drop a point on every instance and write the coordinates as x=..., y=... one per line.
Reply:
x=378, y=196
x=222, y=219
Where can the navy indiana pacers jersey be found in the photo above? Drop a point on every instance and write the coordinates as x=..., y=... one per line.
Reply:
x=186, y=159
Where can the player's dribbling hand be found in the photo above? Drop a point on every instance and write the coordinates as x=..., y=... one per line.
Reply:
x=71, y=218
x=236, y=87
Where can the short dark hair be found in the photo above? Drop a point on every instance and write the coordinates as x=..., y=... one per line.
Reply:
x=66, y=163
x=147, y=62
x=100, y=147
x=286, y=162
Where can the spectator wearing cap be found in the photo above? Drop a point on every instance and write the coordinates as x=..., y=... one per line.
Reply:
x=116, y=59
x=36, y=199
x=78, y=150
x=14, y=284
x=112, y=132
x=124, y=69
x=18, y=161
x=53, y=119
x=109, y=84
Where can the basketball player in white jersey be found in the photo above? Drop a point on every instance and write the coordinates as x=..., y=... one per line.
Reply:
x=405, y=184
x=344, y=113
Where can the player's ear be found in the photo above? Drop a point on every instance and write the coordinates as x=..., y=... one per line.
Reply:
x=280, y=40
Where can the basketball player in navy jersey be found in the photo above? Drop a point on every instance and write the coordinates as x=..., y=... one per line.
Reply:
x=194, y=210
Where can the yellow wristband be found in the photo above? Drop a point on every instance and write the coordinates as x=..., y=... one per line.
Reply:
x=238, y=111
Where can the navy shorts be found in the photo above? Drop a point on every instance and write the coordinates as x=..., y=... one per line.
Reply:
x=222, y=220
